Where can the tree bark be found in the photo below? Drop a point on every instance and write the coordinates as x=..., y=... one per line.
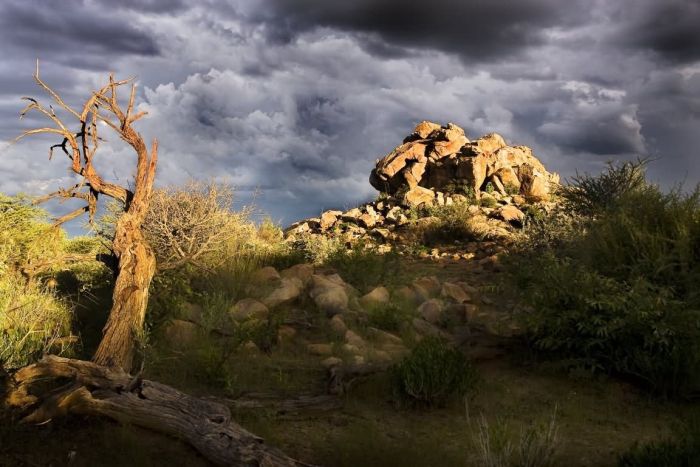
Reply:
x=137, y=265
x=110, y=392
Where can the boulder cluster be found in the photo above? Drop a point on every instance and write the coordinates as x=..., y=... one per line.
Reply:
x=345, y=333
x=443, y=159
x=439, y=166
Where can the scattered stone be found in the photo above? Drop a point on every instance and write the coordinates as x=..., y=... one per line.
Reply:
x=248, y=308
x=288, y=291
x=286, y=333
x=426, y=329
x=303, y=272
x=454, y=292
x=321, y=350
x=431, y=310
x=328, y=219
x=429, y=284
x=354, y=339
x=510, y=214
x=180, y=333
x=417, y=196
x=383, y=337
x=266, y=275
x=330, y=362
x=378, y=296
x=338, y=325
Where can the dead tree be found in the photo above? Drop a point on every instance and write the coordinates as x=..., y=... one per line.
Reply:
x=136, y=261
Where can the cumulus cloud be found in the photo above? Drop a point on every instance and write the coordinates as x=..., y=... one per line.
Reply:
x=296, y=99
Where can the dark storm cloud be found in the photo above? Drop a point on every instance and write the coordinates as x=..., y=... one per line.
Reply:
x=473, y=29
x=82, y=33
x=300, y=97
x=669, y=28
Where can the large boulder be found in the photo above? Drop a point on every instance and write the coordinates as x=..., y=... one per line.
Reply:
x=439, y=158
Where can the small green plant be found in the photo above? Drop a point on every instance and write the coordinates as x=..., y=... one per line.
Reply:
x=488, y=202
x=433, y=373
x=388, y=317
x=489, y=188
x=363, y=266
x=590, y=194
x=536, y=445
x=511, y=189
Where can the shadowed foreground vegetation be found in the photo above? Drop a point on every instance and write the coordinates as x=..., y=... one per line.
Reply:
x=590, y=313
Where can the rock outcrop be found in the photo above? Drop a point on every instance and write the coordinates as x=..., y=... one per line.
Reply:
x=442, y=158
x=435, y=167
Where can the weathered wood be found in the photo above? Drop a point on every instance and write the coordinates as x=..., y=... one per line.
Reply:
x=91, y=389
x=323, y=402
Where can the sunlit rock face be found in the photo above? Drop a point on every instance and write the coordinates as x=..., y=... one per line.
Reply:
x=443, y=159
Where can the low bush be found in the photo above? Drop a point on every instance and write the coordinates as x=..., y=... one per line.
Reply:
x=535, y=446
x=433, y=373
x=363, y=266
x=613, y=287
x=389, y=316
x=454, y=223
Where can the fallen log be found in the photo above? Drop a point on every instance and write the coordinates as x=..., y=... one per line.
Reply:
x=56, y=386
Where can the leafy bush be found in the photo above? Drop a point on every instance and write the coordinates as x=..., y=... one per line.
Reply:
x=453, y=223
x=33, y=321
x=681, y=451
x=388, y=316
x=616, y=292
x=590, y=195
x=432, y=373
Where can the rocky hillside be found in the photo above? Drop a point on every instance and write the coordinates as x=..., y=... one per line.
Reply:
x=438, y=166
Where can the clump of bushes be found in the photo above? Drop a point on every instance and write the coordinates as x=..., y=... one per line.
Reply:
x=33, y=320
x=432, y=373
x=452, y=223
x=612, y=283
x=363, y=266
x=388, y=316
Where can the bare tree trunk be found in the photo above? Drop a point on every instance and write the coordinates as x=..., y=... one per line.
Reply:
x=137, y=265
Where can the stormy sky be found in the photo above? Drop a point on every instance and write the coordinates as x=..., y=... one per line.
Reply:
x=292, y=101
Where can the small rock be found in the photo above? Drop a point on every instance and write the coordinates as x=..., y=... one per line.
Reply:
x=332, y=301
x=180, y=333
x=329, y=218
x=288, y=291
x=250, y=347
x=303, y=272
x=286, y=333
x=431, y=284
x=321, y=350
x=426, y=329
x=338, y=325
x=248, y=308
x=378, y=296
x=266, y=275
x=454, y=292
x=511, y=214
x=383, y=337
x=417, y=196
x=354, y=339
x=330, y=362
x=431, y=310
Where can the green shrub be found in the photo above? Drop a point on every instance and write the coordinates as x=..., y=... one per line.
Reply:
x=617, y=291
x=488, y=202
x=432, y=373
x=388, y=316
x=454, y=223
x=535, y=446
x=590, y=195
x=363, y=266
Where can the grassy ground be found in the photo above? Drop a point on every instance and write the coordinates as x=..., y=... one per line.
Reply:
x=597, y=419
